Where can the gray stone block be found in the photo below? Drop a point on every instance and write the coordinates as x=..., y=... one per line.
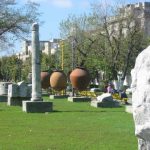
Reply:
x=16, y=101
x=79, y=99
x=106, y=104
x=37, y=106
x=58, y=96
x=3, y=98
x=13, y=90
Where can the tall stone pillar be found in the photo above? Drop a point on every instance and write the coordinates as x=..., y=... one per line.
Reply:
x=36, y=64
x=36, y=104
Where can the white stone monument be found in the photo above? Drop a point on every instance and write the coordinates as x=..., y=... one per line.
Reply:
x=141, y=98
x=36, y=104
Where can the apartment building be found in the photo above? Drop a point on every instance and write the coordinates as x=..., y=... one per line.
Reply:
x=47, y=47
x=139, y=11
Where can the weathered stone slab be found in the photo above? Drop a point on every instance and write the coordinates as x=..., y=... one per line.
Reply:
x=58, y=96
x=105, y=104
x=37, y=106
x=17, y=101
x=79, y=99
x=3, y=98
x=105, y=100
x=22, y=89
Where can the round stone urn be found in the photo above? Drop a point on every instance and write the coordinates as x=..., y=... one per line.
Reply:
x=45, y=79
x=80, y=78
x=58, y=80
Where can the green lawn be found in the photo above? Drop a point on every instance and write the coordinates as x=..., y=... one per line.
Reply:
x=72, y=126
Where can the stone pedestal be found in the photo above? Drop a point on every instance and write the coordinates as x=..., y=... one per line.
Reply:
x=79, y=99
x=37, y=106
x=58, y=96
x=109, y=104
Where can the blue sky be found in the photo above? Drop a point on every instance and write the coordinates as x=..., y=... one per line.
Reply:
x=54, y=11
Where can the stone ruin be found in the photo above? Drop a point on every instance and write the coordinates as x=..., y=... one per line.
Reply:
x=141, y=98
x=18, y=92
x=4, y=91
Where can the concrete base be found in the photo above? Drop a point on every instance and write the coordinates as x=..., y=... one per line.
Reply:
x=58, y=96
x=128, y=108
x=17, y=101
x=105, y=105
x=3, y=98
x=37, y=106
x=79, y=99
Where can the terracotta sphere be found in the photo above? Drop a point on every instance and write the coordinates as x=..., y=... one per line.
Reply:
x=58, y=80
x=45, y=78
x=80, y=78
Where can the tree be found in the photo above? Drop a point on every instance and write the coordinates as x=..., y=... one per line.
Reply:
x=10, y=68
x=15, y=21
x=109, y=39
x=123, y=38
x=79, y=43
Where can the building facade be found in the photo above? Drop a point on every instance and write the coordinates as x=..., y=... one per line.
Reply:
x=47, y=47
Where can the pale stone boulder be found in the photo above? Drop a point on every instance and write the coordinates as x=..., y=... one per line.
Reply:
x=104, y=97
x=141, y=98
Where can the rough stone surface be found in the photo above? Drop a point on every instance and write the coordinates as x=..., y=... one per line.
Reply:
x=22, y=89
x=16, y=101
x=58, y=96
x=128, y=109
x=141, y=98
x=105, y=100
x=3, y=98
x=37, y=106
x=79, y=99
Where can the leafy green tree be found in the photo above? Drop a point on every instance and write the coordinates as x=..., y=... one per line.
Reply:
x=10, y=68
x=15, y=20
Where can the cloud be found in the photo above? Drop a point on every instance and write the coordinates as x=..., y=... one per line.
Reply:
x=84, y=4
x=62, y=3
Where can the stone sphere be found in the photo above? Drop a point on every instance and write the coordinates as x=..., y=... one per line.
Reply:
x=45, y=79
x=80, y=78
x=58, y=80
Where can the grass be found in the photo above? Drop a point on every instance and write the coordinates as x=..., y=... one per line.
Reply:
x=72, y=126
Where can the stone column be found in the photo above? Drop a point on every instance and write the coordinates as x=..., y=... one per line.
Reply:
x=36, y=104
x=36, y=66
